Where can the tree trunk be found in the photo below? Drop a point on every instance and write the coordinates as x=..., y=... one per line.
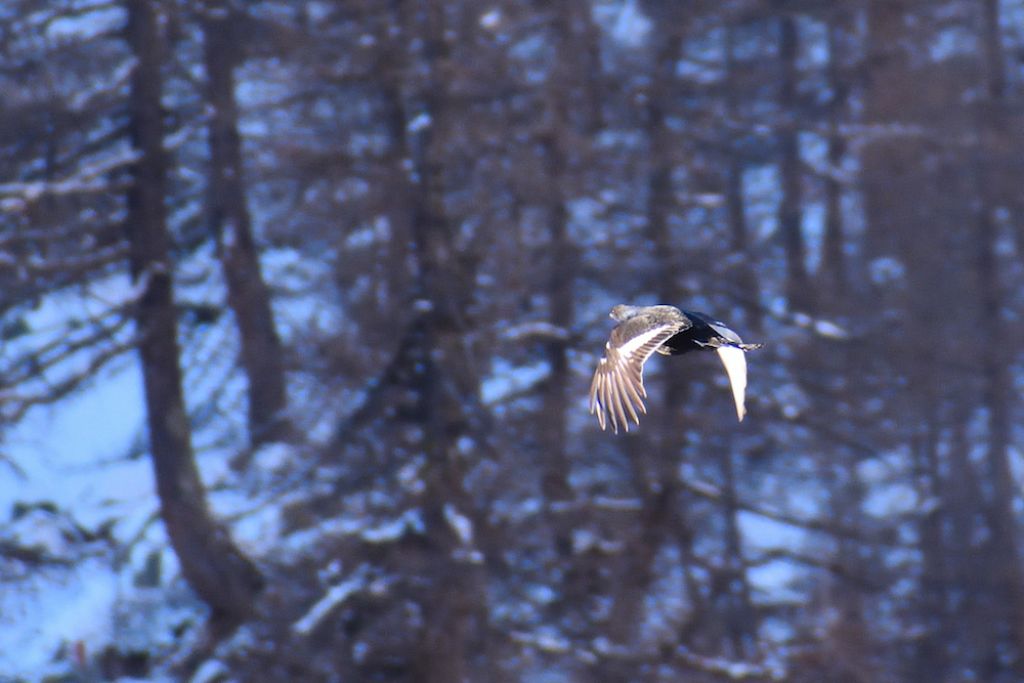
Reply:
x=454, y=632
x=798, y=291
x=248, y=296
x=833, y=265
x=741, y=619
x=654, y=477
x=735, y=205
x=998, y=360
x=216, y=570
x=998, y=397
x=556, y=143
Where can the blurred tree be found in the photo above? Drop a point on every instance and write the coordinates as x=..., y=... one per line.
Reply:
x=262, y=356
x=998, y=394
x=214, y=567
x=798, y=290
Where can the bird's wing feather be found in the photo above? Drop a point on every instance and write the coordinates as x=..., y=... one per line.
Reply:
x=735, y=361
x=727, y=333
x=618, y=385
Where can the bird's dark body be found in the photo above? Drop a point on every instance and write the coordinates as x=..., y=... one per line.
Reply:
x=704, y=333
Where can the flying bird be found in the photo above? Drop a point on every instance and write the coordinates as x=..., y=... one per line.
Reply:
x=617, y=393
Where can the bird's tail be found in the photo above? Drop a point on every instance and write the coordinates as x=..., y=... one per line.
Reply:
x=735, y=362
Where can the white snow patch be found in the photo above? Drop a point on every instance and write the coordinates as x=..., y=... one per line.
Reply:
x=536, y=329
x=411, y=520
x=824, y=328
x=106, y=84
x=544, y=639
x=331, y=600
x=90, y=176
x=827, y=328
x=802, y=319
x=68, y=444
x=583, y=540
x=85, y=25
x=410, y=475
x=460, y=523
x=619, y=504
x=762, y=533
x=886, y=269
x=508, y=380
x=541, y=594
x=273, y=457
x=886, y=501
x=490, y=19
x=259, y=529
x=419, y=122
x=210, y=670
x=732, y=669
x=52, y=609
x=465, y=445
x=375, y=233
x=774, y=582
x=626, y=24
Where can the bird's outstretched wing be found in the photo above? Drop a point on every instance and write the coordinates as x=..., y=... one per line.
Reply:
x=618, y=386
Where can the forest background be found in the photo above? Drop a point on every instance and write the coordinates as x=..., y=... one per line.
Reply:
x=299, y=303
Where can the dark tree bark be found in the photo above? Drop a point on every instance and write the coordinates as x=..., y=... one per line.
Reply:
x=886, y=177
x=262, y=356
x=453, y=637
x=216, y=570
x=740, y=615
x=967, y=625
x=997, y=362
x=1008, y=575
x=833, y=266
x=654, y=478
x=556, y=147
x=798, y=292
x=735, y=203
x=560, y=285
x=931, y=661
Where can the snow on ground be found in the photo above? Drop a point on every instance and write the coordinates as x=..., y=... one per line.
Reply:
x=56, y=449
x=51, y=609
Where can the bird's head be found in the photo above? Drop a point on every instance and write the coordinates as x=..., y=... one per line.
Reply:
x=623, y=312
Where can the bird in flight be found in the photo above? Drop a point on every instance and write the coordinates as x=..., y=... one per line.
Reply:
x=617, y=392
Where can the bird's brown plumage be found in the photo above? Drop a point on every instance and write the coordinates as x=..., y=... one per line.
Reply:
x=617, y=391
